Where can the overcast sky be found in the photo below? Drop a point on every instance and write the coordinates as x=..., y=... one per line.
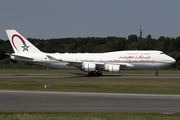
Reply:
x=45, y=19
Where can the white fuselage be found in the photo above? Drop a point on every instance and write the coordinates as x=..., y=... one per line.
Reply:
x=132, y=59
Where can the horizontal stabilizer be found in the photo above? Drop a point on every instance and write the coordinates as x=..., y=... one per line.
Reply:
x=22, y=56
x=8, y=54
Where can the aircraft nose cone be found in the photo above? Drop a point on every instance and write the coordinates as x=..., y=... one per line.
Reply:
x=170, y=60
x=173, y=60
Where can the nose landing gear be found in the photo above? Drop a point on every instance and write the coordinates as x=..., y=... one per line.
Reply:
x=157, y=73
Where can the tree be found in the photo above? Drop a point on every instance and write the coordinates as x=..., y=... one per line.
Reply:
x=132, y=38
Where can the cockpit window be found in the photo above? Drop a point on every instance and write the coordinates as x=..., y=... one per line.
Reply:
x=161, y=53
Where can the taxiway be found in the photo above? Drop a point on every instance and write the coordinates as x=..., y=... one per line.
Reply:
x=41, y=101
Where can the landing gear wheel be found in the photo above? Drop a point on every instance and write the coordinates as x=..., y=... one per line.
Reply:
x=94, y=73
x=99, y=74
x=90, y=73
x=157, y=73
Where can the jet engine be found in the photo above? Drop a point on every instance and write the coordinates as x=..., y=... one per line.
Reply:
x=113, y=68
x=89, y=67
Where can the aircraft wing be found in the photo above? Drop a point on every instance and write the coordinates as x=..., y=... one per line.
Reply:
x=73, y=63
x=53, y=58
x=121, y=64
x=69, y=61
x=126, y=65
x=98, y=64
x=79, y=63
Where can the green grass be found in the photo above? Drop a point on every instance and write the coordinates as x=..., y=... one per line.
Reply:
x=86, y=116
x=58, y=71
x=106, y=85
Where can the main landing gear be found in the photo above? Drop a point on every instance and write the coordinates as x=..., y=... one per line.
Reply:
x=157, y=73
x=92, y=73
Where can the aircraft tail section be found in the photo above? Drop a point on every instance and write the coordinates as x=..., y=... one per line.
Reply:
x=20, y=44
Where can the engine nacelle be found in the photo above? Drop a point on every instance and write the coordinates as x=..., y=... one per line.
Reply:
x=89, y=67
x=113, y=68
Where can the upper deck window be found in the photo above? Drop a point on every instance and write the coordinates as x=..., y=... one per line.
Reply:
x=144, y=53
x=132, y=53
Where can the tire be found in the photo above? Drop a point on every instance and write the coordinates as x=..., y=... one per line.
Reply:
x=156, y=74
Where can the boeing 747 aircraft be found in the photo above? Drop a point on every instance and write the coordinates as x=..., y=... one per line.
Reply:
x=93, y=63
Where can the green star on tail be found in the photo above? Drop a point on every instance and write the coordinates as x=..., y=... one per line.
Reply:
x=25, y=47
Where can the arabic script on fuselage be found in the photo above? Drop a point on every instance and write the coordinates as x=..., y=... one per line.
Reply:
x=134, y=57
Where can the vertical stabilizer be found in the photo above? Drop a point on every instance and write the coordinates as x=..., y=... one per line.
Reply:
x=20, y=44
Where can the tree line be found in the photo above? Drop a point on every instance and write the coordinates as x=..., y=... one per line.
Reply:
x=170, y=46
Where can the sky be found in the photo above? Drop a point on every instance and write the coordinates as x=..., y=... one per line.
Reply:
x=45, y=19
